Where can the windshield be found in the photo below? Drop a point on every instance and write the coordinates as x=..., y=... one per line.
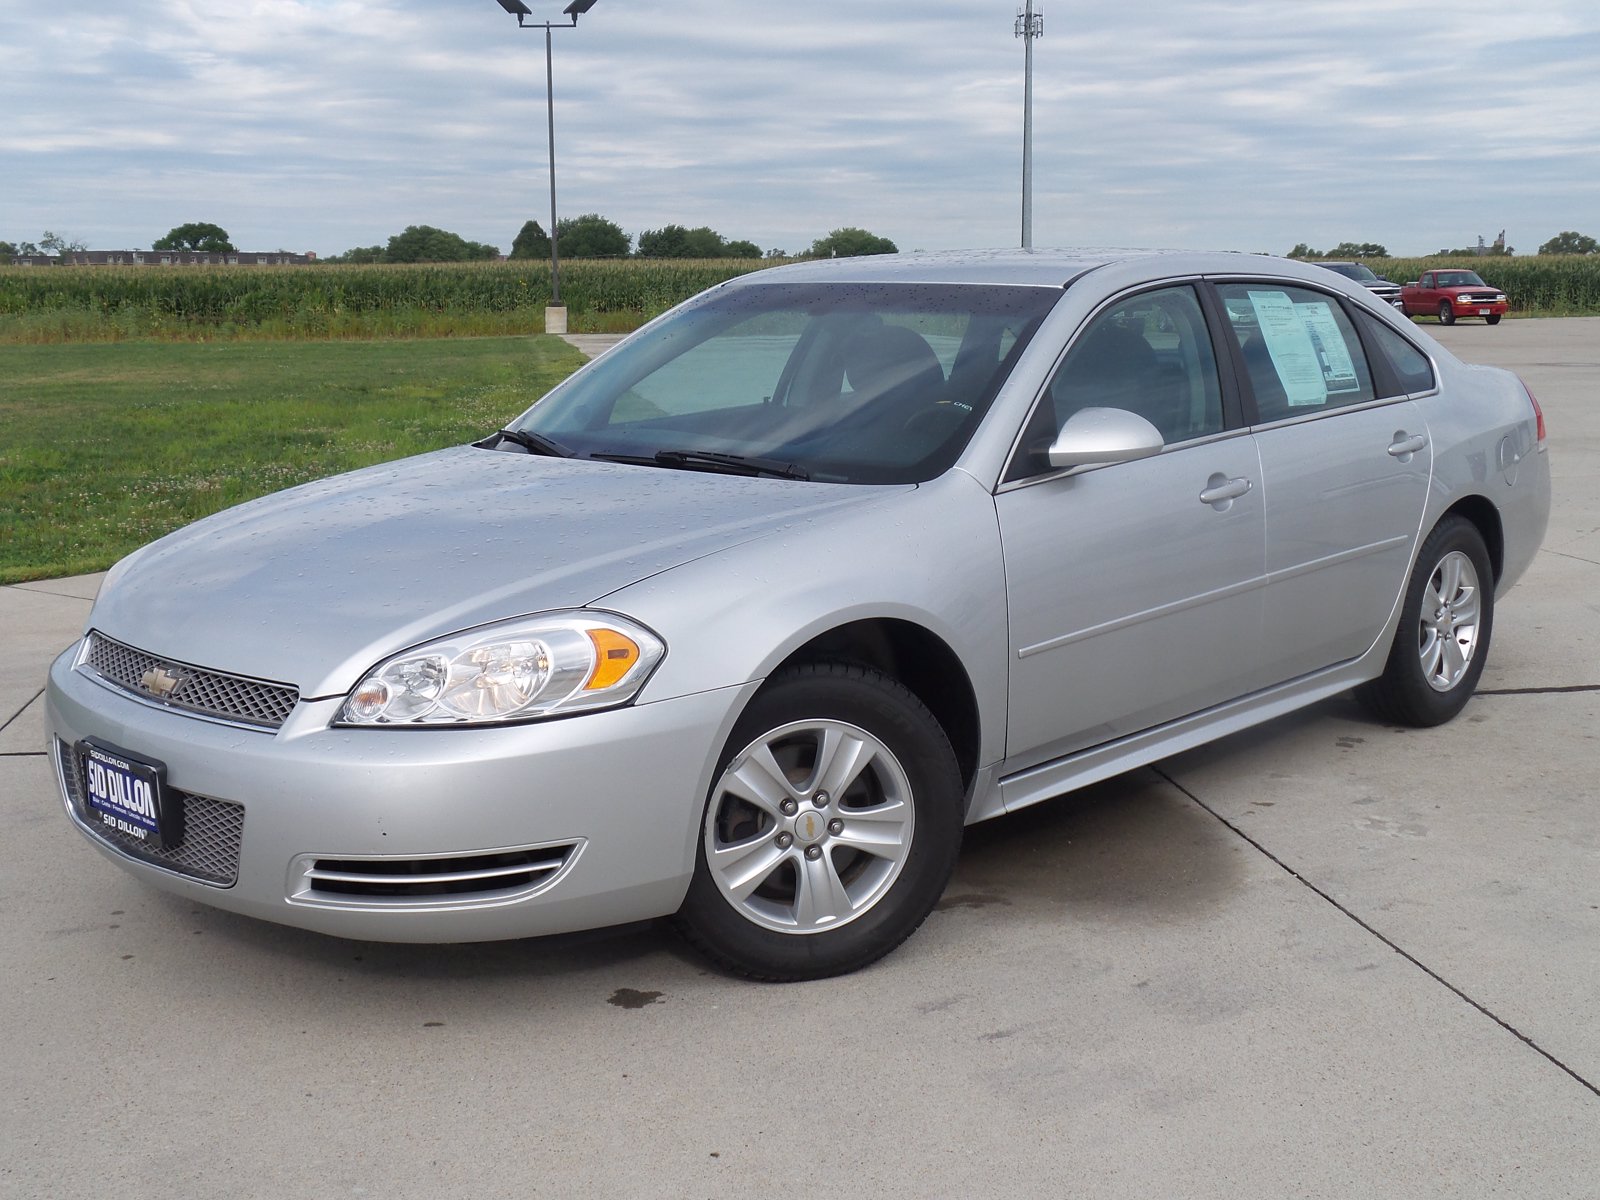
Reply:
x=1357, y=271
x=842, y=382
x=1459, y=279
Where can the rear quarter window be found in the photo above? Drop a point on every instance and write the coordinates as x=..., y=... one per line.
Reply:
x=1412, y=370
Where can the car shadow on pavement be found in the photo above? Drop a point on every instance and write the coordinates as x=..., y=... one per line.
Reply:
x=1131, y=849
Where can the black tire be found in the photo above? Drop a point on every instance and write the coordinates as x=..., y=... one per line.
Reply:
x=1492, y=319
x=816, y=904
x=1447, y=313
x=1421, y=684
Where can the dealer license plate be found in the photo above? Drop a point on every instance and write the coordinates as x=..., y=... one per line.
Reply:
x=128, y=795
x=1483, y=312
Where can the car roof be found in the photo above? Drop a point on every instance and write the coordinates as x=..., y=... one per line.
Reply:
x=1043, y=268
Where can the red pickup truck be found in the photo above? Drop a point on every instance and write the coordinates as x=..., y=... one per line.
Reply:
x=1451, y=294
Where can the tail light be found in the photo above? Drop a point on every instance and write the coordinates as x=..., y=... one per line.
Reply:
x=1538, y=414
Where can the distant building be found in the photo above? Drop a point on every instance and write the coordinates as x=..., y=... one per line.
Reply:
x=165, y=258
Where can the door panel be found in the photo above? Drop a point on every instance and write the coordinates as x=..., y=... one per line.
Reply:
x=1345, y=479
x=1345, y=497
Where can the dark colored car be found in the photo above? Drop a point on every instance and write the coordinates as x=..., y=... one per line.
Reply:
x=1380, y=287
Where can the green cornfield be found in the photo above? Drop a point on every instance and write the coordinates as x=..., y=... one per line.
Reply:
x=41, y=305
x=48, y=305
x=1545, y=285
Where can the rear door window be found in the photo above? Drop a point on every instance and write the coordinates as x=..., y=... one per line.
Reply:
x=1301, y=353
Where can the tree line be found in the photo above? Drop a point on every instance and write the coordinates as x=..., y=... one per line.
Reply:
x=594, y=236
x=1567, y=242
x=588, y=236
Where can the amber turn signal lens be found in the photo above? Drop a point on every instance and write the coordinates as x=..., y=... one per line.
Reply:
x=614, y=656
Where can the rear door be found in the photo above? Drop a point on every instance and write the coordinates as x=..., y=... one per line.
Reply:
x=1345, y=467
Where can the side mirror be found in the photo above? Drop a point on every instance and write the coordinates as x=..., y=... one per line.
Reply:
x=1104, y=435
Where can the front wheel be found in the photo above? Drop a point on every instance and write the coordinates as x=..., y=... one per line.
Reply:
x=1447, y=313
x=1492, y=319
x=830, y=831
x=1443, y=637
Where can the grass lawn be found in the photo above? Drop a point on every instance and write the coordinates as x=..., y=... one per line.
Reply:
x=105, y=447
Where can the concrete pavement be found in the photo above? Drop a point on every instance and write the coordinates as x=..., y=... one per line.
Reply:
x=1325, y=958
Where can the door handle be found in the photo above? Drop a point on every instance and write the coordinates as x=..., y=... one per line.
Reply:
x=1220, y=489
x=1404, y=447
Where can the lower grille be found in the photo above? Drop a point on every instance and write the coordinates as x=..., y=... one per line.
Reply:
x=212, y=830
x=465, y=877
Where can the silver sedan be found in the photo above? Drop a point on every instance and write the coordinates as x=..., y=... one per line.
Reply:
x=745, y=621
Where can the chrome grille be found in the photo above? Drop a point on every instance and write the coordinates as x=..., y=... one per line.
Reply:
x=205, y=693
x=464, y=877
x=212, y=830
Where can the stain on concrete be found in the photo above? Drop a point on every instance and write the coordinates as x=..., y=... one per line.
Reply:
x=1410, y=829
x=970, y=900
x=929, y=1007
x=630, y=998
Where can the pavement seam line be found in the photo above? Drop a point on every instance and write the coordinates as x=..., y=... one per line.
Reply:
x=1564, y=690
x=1409, y=957
x=33, y=699
x=1573, y=557
x=38, y=591
x=22, y=754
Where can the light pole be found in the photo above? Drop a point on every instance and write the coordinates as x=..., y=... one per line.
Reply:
x=556, y=314
x=1030, y=24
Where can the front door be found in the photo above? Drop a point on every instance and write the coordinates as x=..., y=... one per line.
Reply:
x=1134, y=589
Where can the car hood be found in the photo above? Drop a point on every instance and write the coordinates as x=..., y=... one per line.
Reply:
x=314, y=585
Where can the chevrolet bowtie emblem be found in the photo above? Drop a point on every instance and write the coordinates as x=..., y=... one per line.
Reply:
x=159, y=682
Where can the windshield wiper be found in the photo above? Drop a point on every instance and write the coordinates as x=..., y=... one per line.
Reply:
x=711, y=460
x=533, y=443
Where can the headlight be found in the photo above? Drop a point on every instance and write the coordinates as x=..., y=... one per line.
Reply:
x=517, y=670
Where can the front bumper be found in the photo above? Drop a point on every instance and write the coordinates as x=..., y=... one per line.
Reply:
x=415, y=835
x=1466, y=307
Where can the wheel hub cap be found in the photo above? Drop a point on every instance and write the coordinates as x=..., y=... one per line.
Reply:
x=811, y=828
x=1448, y=638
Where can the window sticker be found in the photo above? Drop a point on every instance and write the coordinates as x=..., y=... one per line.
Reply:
x=1294, y=353
x=1333, y=352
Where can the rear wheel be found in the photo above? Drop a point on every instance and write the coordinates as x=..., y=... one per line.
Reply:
x=831, y=830
x=1443, y=638
x=1447, y=313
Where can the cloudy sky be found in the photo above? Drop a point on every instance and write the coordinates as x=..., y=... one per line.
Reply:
x=1228, y=124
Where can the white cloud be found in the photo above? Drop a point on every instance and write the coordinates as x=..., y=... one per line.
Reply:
x=324, y=124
